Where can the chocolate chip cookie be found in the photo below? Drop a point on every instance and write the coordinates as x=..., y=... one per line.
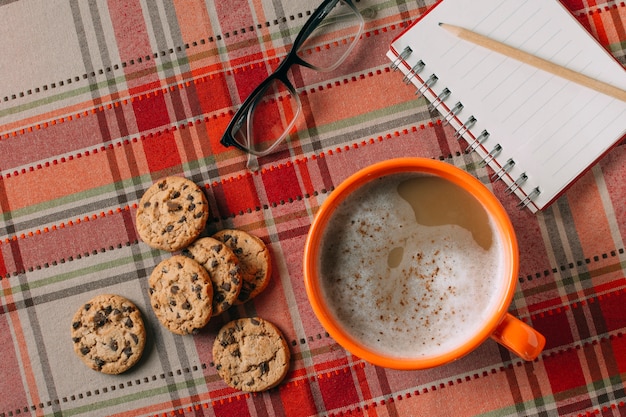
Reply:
x=254, y=261
x=223, y=268
x=181, y=294
x=251, y=354
x=171, y=214
x=108, y=333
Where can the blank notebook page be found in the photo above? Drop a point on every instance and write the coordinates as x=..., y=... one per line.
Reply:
x=552, y=128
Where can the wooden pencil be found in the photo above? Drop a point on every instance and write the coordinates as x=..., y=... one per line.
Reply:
x=535, y=61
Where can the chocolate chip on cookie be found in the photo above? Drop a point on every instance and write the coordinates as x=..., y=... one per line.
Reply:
x=171, y=214
x=108, y=334
x=223, y=268
x=251, y=354
x=181, y=294
x=254, y=261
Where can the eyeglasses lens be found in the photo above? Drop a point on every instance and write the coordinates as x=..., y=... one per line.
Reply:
x=269, y=120
x=332, y=40
x=275, y=109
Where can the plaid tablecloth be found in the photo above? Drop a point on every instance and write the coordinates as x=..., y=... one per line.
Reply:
x=98, y=99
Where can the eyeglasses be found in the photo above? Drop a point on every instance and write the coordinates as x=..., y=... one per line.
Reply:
x=269, y=114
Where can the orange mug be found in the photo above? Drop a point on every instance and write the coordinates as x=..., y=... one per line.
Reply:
x=496, y=323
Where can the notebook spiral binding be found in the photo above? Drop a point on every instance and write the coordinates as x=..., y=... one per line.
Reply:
x=464, y=131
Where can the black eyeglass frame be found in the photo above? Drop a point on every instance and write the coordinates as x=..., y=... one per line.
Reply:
x=280, y=74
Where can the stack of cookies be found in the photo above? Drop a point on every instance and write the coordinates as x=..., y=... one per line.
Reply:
x=210, y=275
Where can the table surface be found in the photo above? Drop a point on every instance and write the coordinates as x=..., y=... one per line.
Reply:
x=100, y=99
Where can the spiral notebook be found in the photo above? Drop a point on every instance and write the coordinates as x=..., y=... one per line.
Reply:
x=537, y=131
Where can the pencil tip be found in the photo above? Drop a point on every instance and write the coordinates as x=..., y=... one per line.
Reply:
x=440, y=24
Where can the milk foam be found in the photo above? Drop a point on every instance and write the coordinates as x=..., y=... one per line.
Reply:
x=432, y=294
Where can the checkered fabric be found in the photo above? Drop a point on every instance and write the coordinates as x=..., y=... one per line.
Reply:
x=98, y=99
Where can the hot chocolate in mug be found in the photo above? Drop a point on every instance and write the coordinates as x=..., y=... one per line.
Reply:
x=412, y=263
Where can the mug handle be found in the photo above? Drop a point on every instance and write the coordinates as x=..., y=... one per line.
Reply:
x=519, y=338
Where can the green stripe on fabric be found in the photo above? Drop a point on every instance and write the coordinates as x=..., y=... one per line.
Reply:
x=362, y=119
x=61, y=96
x=526, y=408
x=618, y=48
x=565, y=282
x=55, y=279
x=131, y=397
x=93, y=86
x=129, y=183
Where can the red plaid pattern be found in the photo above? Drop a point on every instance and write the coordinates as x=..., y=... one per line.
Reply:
x=99, y=99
